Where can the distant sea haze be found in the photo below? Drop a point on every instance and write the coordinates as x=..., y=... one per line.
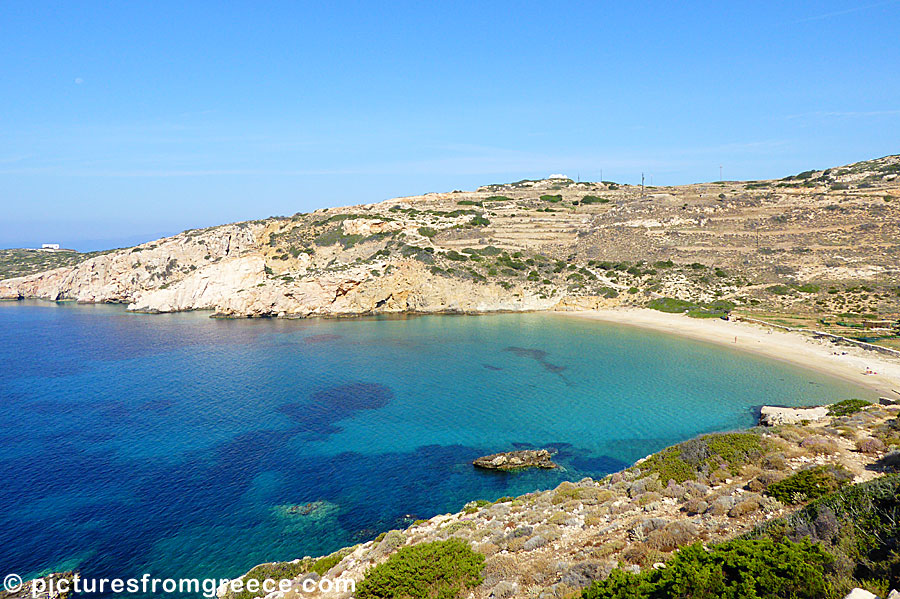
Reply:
x=184, y=446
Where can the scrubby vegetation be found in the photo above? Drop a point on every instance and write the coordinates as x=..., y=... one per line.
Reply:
x=715, y=309
x=703, y=455
x=437, y=570
x=808, y=484
x=859, y=527
x=741, y=569
x=847, y=407
x=22, y=262
x=846, y=539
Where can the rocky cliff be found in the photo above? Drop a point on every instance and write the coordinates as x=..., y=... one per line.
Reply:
x=530, y=245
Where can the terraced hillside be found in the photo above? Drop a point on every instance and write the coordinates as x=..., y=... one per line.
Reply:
x=820, y=244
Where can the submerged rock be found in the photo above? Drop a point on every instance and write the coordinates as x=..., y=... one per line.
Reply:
x=516, y=460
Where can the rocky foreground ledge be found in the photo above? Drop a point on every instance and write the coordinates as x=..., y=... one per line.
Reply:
x=555, y=543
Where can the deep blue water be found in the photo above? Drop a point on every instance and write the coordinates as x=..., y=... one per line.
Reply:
x=175, y=444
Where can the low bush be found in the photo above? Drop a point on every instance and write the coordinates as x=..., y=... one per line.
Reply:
x=870, y=446
x=671, y=305
x=551, y=198
x=594, y=200
x=704, y=454
x=437, y=570
x=808, y=484
x=847, y=407
x=744, y=569
x=858, y=526
x=779, y=289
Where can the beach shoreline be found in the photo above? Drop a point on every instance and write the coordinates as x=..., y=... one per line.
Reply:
x=846, y=362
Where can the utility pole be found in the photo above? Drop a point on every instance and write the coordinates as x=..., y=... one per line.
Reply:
x=720, y=172
x=642, y=186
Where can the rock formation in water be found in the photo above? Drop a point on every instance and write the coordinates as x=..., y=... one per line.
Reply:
x=516, y=460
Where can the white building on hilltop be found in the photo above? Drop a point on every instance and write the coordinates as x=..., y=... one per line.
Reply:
x=557, y=177
x=50, y=246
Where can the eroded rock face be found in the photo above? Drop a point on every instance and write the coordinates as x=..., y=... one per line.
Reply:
x=229, y=272
x=516, y=460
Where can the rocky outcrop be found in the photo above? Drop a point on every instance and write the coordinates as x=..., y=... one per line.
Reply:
x=775, y=415
x=516, y=460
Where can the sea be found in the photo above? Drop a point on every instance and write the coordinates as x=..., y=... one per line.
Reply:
x=184, y=446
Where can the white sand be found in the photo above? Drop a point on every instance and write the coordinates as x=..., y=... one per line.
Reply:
x=796, y=348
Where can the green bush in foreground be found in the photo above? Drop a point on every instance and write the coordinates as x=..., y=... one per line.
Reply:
x=807, y=484
x=858, y=526
x=847, y=407
x=741, y=569
x=438, y=570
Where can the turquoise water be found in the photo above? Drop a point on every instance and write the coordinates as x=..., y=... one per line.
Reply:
x=177, y=444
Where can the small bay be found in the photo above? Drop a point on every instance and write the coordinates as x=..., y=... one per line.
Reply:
x=185, y=446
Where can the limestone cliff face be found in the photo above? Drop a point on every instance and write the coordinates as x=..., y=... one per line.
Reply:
x=240, y=287
x=123, y=275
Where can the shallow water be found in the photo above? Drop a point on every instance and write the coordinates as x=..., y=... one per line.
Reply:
x=177, y=444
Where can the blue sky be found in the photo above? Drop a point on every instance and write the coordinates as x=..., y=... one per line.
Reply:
x=123, y=121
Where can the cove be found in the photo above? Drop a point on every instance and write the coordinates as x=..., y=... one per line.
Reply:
x=184, y=446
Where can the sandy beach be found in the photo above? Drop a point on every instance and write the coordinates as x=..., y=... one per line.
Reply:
x=844, y=361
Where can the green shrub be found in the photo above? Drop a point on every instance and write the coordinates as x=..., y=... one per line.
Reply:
x=740, y=569
x=324, y=564
x=684, y=461
x=456, y=256
x=468, y=203
x=479, y=221
x=497, y=199
x=594, y=200
x=671, y=304
x=608, y=292
x=551, y=198
x=427, y=232
x=807, y=485
x=438, y=570
x=847, y=407
x=807, y=288
x=779, y=289
x=858, y=526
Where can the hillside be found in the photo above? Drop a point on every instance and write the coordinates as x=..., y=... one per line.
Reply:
x=817, y=243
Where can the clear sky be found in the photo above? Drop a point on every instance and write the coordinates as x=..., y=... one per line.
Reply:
x=123, y=121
